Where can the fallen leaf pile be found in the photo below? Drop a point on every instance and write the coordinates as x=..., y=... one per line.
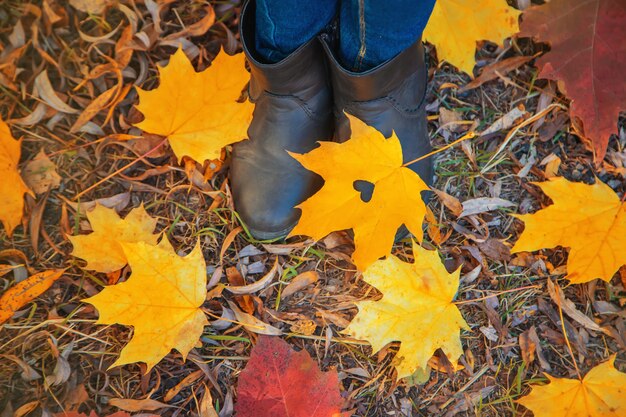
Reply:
x=132, y=284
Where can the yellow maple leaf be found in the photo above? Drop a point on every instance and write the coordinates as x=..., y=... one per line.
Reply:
x=102, y=248
x=456, y=25
x=198, y=111
x=396, y=197
x=12, y=187
x=416, y=310
x=161, y=300
x=601, y=393
x=588, y=219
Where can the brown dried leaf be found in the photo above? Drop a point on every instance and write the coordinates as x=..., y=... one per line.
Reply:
x=570, y=309
x=451, y=203
x=253, y=324
x=40, y=174
x=494, y=70
x=137, y=405
x=300, y=282
x=91, y=6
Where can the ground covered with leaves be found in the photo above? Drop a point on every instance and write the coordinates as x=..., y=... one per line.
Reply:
x=69, y=79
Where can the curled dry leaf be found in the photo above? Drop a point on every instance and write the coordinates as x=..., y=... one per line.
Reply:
x=452, y=203
x=421, y=292
x=118, y=202
x=28, y=372
x=91, y=6
x=570, y=309
x=137, y=405
x=506, y=121
x=12, y=187
x=258, y=285
x=395, y=200
x=483, y=205
x=101, y=102
x=102, y=249
x=300, y=282
x=25, y=291
x=253, y=324
x=161, y=300
x=456, y=25
x=49, y=96
x=40, y=174
x=496, y=69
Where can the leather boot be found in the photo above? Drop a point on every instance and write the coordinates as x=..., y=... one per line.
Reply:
x=293, y=110
x=389, y=97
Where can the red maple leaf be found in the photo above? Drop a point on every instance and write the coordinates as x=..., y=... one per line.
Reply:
x=280, y=382
x=588, y=57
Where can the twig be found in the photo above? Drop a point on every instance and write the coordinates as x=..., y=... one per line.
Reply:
x=108, y=177
x=514, y=131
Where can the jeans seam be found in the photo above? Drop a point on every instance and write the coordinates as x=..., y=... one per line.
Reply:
x=362, y=34
x=272, y=52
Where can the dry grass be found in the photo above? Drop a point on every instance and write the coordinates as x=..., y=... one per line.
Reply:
x=507, y=297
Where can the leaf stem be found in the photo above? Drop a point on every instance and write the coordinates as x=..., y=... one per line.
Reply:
x=468, y=135
x=569, y=346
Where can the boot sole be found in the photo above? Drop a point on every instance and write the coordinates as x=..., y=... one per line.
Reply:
x=264, y=235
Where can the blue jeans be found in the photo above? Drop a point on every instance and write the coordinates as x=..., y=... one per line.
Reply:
x=370, y=31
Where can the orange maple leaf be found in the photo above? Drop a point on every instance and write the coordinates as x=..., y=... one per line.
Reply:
x=588, y=219
x=12, y=187
x=455, y=27
x=395, y=200
x=102, y=248
x=161, y=300
x=601, y=393
x=198, y=111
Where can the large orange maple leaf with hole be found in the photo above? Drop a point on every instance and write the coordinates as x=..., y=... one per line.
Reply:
x=590, y=220
x=198, y=111
x=601, y=393
x=12, y=187
x=587, y=57
x=395, y=200
x=161, y=300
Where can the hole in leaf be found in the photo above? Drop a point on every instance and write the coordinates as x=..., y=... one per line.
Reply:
x=366, y=189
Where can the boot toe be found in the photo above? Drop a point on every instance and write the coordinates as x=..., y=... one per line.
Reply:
x=265, y=218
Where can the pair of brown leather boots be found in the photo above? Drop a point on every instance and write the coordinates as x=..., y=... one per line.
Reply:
x=301, y=100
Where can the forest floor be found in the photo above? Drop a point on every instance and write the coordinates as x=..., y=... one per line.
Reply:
x=503, y=297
